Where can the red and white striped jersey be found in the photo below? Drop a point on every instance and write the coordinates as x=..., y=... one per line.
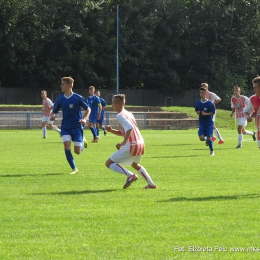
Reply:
x=212, y=96
x=254, y=106
x=238, y=104
x=47, y=103
x=136, y=142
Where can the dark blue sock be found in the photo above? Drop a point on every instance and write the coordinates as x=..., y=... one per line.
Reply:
x=93, y=130
x=70, y=159
x=97, y=131
x=211, y=145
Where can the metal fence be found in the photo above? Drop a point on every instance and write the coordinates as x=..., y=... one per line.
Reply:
x=32, y=120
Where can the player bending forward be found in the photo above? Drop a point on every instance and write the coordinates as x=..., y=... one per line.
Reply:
x=130, y=151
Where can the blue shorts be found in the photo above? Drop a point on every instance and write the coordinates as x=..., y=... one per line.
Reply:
x=101, y=120
x=206, y=131
x=75, y=133
x=93, y=119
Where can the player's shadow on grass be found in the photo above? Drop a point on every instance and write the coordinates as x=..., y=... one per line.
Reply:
x=174, y=156
x=26, y=175
x=231, y=197
x=170, y=144
x=74, y=192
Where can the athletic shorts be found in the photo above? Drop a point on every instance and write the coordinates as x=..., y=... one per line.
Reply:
x=101, y=121
x=93, y=119
x=123, y=156
x=206, y=131
x=242, y=121
x=75, y=135
x=47, y=119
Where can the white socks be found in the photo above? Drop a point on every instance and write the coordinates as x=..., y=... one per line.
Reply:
x=56, y=128
x=146, y=176
x=118, y=168
x=44, y=132
x=217, y=133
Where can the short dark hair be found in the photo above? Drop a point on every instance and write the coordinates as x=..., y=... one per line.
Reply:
x=256, y=80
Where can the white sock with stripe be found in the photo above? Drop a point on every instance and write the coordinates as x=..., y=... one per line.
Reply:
x=217, y=133
x=142, y=171
x=118, y=168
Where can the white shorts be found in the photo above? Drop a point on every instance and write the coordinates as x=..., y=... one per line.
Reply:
x=47, y=119
x=68, y=138
x=214, y=117
x=242, y=121
x=123, y=156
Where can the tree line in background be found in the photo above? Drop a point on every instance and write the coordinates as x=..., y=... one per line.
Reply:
x=169, y=45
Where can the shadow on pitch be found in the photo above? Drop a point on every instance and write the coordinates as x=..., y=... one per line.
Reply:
x=26, y=175
x=74, y=192
x=233, y=197
x=170, y=144
x=177, y=156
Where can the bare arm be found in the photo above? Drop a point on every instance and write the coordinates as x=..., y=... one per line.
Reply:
x=114, y=131
x=233, y=111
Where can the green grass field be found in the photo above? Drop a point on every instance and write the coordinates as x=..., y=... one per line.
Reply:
x=202, y=203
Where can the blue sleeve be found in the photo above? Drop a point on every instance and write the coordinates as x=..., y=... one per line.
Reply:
x=83, y=102
x=213, y=108
x=56, y=106
x=103, y=102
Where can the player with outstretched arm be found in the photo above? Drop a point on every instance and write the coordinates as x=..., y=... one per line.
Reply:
x=130, y=151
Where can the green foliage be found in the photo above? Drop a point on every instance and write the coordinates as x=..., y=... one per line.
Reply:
x=201, y=201
x=167, y=45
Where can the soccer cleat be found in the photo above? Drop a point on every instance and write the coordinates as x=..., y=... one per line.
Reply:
x=150, y=187
x=221, y=142
x=95, y=140
x=75, y=171
x=105, y=132
x=129, y=181
x=253, y=136
x=85, y=143
x=239, y=146
x=212, y=153
x=213, y=138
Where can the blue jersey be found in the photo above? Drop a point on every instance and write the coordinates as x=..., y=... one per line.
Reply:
x=103, y=104
x=207, y=106
x=71, y=110
x=94, y=103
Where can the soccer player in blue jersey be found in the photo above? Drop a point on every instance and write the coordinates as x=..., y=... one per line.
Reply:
x=101, y=121
x=206, y=110
x=72, y=121
x=95, y=115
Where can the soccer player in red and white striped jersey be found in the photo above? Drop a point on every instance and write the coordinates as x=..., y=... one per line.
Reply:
x=254, y=106
x=130, y=151
x=238, y=102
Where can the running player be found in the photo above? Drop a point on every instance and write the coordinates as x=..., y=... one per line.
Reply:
x=47, y=108
x=253, y=106
x=205, y=109
x=101, y=121
x=130, y=151
x=215, y=99
x=238, y=102
x=95, y=115
x=72, y=121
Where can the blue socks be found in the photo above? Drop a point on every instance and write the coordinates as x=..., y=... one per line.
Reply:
x=70, y=159
x=94, y=131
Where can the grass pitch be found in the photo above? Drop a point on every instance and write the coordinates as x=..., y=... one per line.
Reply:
x=204, y=208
